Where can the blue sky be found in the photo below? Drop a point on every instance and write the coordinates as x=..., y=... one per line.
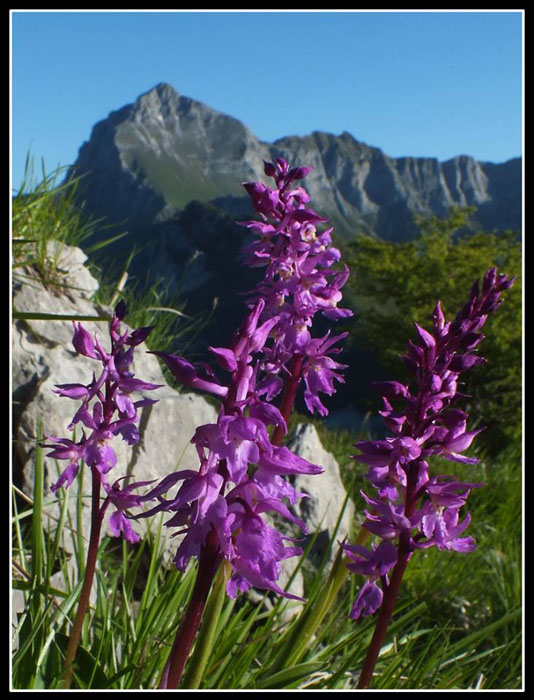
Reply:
x=436, y=84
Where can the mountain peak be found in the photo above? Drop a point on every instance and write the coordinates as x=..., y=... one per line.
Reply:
x=160, y=96
x=162, y=90
x=165, y=150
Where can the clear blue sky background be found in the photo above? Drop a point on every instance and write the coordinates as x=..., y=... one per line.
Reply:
x=436, y=84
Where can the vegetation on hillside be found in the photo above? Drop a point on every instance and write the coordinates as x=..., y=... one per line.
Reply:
x=393, y=285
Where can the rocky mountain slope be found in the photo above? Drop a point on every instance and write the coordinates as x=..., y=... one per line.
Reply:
x=153, y=157
x=169, y=170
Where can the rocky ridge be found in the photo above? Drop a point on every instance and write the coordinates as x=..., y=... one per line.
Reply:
x=151, y=158
x=169, y=170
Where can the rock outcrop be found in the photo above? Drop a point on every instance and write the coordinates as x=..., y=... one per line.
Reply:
x=43, y=357
x=323, y=510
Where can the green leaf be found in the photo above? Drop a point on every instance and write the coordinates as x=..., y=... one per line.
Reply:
x=289, y=676
x=102, y=244
x=21, y=585
x=43, y=316
x=87, y=671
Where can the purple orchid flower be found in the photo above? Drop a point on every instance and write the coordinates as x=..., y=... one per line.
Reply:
x=411, y=508
x=122, y=500
x=299, y=280
x=244, y=470
x=107, y=410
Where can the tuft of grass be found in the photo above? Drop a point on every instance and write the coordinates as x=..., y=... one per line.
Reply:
x=44, y=210
x=46, y=215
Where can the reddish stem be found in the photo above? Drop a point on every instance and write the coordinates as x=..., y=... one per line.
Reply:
x=288, y=400
x=392, y=591
x=210, y=558
x=97, y=515
x=382, y=624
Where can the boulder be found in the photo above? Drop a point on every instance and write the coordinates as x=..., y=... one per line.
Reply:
x=43, y=356
x=325, y=504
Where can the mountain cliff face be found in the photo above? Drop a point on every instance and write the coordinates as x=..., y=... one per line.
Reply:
x=151, y=158
x=169, y=170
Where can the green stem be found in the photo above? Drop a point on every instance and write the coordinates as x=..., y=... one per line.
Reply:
x=314, y=614
x=37, y=519
x=97, y=515
x=37, y=580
